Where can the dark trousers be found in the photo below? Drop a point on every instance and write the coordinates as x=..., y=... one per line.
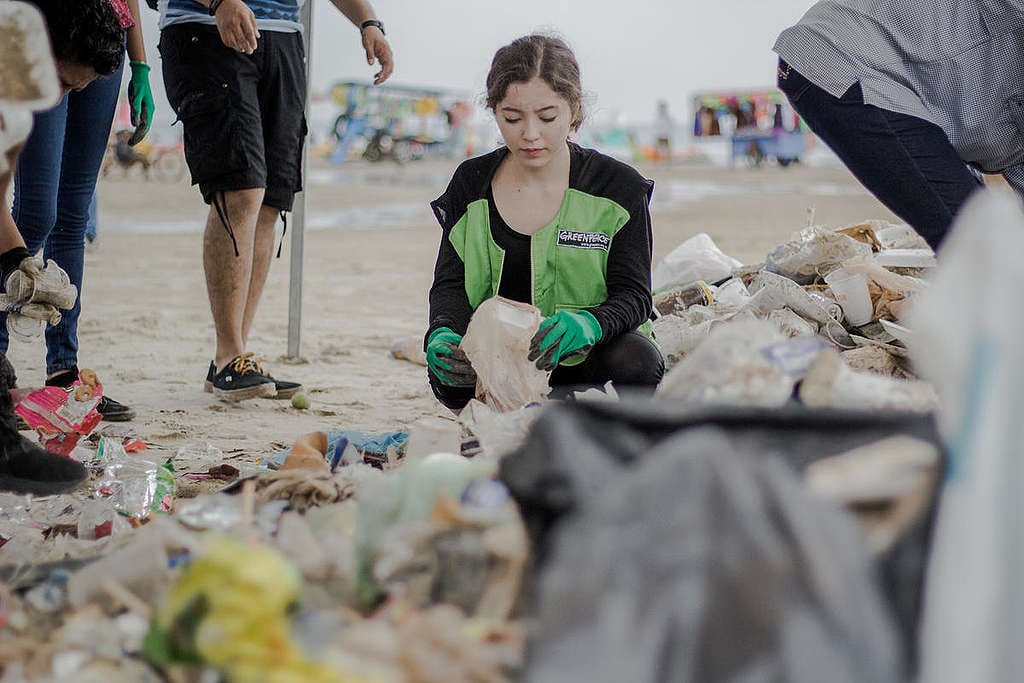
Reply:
x=629, y=360
x=907, y=163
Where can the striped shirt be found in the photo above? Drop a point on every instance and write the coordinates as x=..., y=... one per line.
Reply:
x=271, y=15
x=956, y=63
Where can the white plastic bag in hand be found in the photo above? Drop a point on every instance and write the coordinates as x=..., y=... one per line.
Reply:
x=27, y=322
x=497, y=343
x=34, y=294
x=23, y=328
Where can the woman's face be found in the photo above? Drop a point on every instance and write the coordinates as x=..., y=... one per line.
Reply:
x=74, y=76
x=534, y=121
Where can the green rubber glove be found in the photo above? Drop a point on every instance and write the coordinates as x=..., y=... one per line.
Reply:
x=561, y=335
x=140, y=97
x=446, y=361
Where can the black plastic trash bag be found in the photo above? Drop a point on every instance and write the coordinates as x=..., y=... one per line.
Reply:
x=680, y=546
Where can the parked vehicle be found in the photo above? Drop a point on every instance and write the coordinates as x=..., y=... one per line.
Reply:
x=760, y=125
x=396, y=123
x=784, y=146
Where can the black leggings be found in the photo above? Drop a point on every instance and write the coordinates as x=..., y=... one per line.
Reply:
x=629, y=360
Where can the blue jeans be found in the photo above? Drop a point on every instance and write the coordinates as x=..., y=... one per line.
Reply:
x=53, y=187
x=907, y=163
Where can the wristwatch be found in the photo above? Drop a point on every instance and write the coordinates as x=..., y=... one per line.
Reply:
x=372, y=22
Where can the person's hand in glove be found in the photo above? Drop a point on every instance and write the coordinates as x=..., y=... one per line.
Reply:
x=19, y=259
x=446, y=361
x=140, y=97
x=26, y=281
x=33, y=293
x=561, y=335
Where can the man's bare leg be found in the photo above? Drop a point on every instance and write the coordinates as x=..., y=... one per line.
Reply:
x=228, y=276
x=263, y=253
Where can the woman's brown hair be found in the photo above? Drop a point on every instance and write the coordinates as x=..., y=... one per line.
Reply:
x=537, y=55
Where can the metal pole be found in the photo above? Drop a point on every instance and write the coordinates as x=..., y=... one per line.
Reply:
x=299, y=209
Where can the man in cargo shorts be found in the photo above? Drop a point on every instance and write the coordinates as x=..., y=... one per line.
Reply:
x=235, y=75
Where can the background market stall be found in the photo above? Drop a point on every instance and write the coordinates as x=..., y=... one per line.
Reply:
x=400, y=123
x=760, y=124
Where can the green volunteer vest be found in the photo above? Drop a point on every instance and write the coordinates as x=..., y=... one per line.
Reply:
x=568, y=257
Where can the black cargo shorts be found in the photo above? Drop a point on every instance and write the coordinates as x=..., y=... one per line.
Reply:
x=243, y=115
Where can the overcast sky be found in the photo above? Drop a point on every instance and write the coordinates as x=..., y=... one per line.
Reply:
x=631, y=53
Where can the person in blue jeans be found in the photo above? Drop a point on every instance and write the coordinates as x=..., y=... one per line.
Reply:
x=55, y=181
x=87, y=42
x=90, y=224
x=918, y=99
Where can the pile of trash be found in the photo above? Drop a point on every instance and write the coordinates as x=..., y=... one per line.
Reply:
x=350, y=556
x=820, y=319
x=295, y=574
x=767, y=514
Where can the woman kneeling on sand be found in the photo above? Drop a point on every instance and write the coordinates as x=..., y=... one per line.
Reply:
x=544, y=221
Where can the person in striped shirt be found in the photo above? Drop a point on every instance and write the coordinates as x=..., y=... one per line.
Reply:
x=918, y=99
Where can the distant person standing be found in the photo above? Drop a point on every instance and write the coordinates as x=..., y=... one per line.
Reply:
x=235, y=73
x=126, y=155
x=458, y=117
x=664, y=128
x=778, y=119
x=916, y=98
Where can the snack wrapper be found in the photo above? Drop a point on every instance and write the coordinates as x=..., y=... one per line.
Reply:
x=63, y=415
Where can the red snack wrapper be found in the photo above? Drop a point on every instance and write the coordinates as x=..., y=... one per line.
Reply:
x=63, y=415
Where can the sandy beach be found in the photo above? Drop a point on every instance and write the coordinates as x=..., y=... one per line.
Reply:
x=369, y=255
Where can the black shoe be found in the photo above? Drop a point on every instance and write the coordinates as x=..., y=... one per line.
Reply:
x=27, y=468
x=64, y=378
x=243, y=378
x=24, y=466
x=114, y=411
x=283, y=388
